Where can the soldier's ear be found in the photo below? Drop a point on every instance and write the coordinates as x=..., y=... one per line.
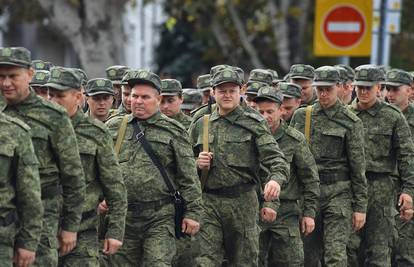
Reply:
x=31, y=73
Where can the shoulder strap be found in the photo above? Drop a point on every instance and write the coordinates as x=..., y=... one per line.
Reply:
x=121, y=134
x=308, y=122
x=204, y=173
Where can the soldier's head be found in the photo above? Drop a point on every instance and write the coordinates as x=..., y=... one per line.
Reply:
x=126, y=92
x=41, y=65
x=268, y=101
x=64, y=86
x=15, y=73
x=412, y=88
x=38, y=83
x=226, y=90
x=145, y=93
x=100, y=96
x=347, y=76
x=303, y=76
x=327, y=79
x=275, y=77
x=192, y=99
x=115, y=74
x=172, y=97
x=368, y=80
x=204, y=85
x=253, y=88
x=398, y=85
x=83, y=104
x=291, y=98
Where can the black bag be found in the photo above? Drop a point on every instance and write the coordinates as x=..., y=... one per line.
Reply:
x=177, y=199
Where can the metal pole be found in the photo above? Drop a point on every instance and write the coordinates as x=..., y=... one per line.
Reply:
x=382, y=32
x=344, y=60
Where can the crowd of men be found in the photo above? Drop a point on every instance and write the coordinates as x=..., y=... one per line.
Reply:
x=312, y=169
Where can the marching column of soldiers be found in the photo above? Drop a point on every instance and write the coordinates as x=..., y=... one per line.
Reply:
x=315, y=169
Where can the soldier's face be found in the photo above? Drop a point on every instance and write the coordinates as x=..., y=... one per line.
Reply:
x=307, y=89
x=250, y=102
x=289, y=106
x=327, y=95
x=367, y=94
x=41, y=91
x=126, y=97
x=14, y=83
x=206, y=96
x=272, y=112
x=69, y=99
x=170, y=104
x=145, y=101
x=227, y=97
x=99, y=105
x=398, y=95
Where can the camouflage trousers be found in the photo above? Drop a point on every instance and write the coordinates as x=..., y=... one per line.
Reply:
x=404, y=250
x=47, y=250
x=7, y=236
x=149, y=239
x=326, y=245
x=229, y=229
x=280, y=243
x=187, y=249
x=86, y=252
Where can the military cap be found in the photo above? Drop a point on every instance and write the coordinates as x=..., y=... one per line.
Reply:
x=99, y=86
x=116, y=73
x=289, y=90
x=15, y=56
x=397, y=77
x=240, y=72
x=41, y=65
x=349, y=71
x=191, y=99
x=63, y=79
x=275, y=75
x=326, y=76
x=218, y=68
x=142, y=76
x=40, y=78
x=302, y=71
x=204, y=82
x=261, y=75
x=227, y=75
x=342, y=73
x=82, y=74
x=171, y=87
x=412, y=74
x=368, y=75
x=254, y=87
x=269, y=93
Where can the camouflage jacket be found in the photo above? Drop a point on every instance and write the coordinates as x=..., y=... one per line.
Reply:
x=102, y=174
x=169, y=141
x=337, y=144
x=56, y=149
x=120, y=111
x=409, y=116
x=185, y=120
x=388, y=142
x=19, y=182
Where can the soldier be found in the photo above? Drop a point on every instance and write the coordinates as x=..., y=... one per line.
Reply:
x=115, y=74
x=291, y=99
x=41, y=65
x=55, y=146
x=39, y=80
x=275, y=77
x=20, y=203
x=240, y=142
x=303, y=76
x=149, y=232
x=257, y=78
x=100, y=95
x=203, y=84
x=172, y=98
x=251, y=93
x=348, y=89
x=388, y=147
x=83, y=104
x=280, y=242
x=335, y=136
x=192, y=100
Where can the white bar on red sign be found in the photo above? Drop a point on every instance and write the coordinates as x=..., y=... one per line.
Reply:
x=344, y=26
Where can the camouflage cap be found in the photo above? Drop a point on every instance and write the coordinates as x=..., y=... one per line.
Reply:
x=41, y=65
x=15, y=56
x=254, y=87
x=218, y=68
x=204, y=82
x=261, y=75
x=326, y=76
x=302, y=71
x=40, y=78
x=368, y=75
x=342, y=73
x=63, y=79
x=289, y=90
x=269, y=93
x=412, y=74
x=116, y=73
x=240, y=72
x=191, y=99
x=142, y=76
x=227, y=75
x=83, y=75
x=397, y=77
x=349, y=71
x=275, y=76
x=171, y=87
x=99, y=86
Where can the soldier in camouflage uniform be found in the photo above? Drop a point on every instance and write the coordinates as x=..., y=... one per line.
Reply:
x=55, y=145
x=280, y=242
x=125, y=107
x=192, y=100
x=172, y=98
x=115, y=75
x=83, y=104
x=240, y=143
x=303, y=76
x=99, y=97
x=102, y=174
x=348, y=89
x=336, y=141
x=275, y=77
x=41, y=65
x=388, y=146
x=39, y=80
x=291, y=99
x=203, y=84
x=257, y=79
x=20, y=203
x=149, y=232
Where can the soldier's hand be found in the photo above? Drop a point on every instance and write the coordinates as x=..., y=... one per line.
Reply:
x=204, y=159
x=307, y=225
x=190, y=227
x=67, y=242
x=405, y=202
x=102, y=208
x=268, y=215
x=358, y=220
x=24, y=257
x=271, y=191
x=111, y=246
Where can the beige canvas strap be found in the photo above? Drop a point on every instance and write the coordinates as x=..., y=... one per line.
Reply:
x=121, y=134
x=308, y=122
x=204, y=173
